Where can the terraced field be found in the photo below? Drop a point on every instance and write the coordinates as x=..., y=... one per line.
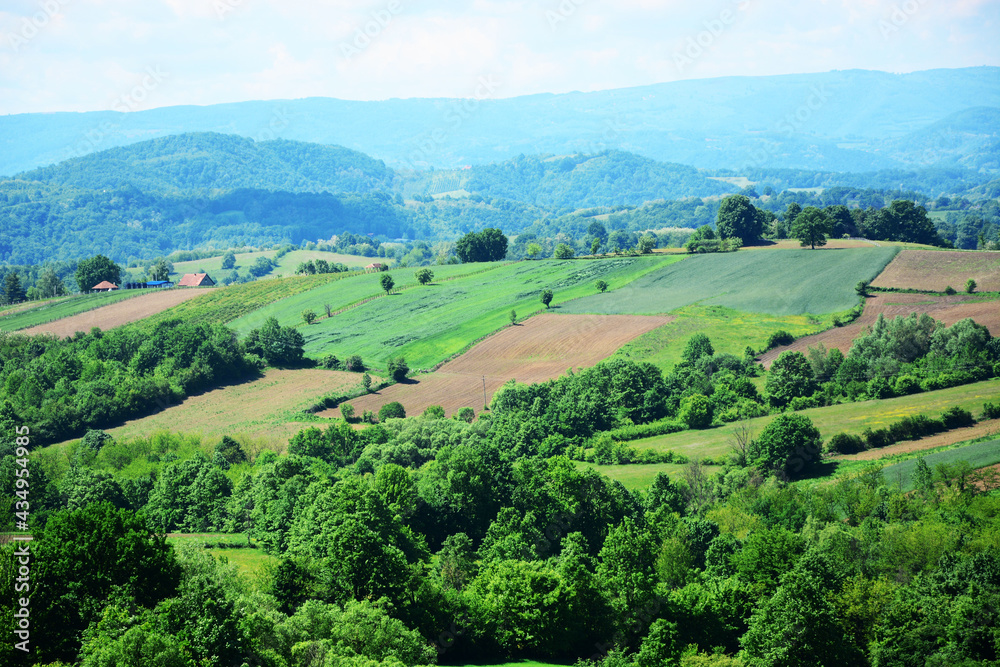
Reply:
x=935, y=270
x=145, y=304
x=541, y=348
x=785, y=282
x=429, y=324
x=286, y=264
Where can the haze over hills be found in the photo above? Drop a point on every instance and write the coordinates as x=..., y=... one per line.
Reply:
x=854, y=120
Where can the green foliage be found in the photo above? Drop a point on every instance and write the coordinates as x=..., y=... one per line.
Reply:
x=392, y=410
x=308, y=316
x=90, y=272
x=950, y=291
x=229, y=260
x=433, y=412
x=790, y=377
x=275, y=344
x=424, y=276
x=602, y=286
x=696, y=411
x=564, y=251
x=738, y=219
x=366, y=382
x=489, y=245
x=811, y=227
x=970, y=286
x=12, y=290
x=85, y=556
x=397, y=369
x=466, y=414
x=546, y=297
x=513, y=316
x=387, y=282
x=789, y=444
x=347, y=412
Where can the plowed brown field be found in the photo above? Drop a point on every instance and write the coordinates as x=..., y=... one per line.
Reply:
x=117, y=314
x=539, y=349
x=935, y=270
x=948, y=309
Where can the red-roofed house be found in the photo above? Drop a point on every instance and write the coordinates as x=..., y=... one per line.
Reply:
x=195, y=280
x=376, y=266
x=104, y=286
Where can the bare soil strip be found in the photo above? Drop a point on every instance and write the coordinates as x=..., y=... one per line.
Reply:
x=539, y=349
x=949, y=309
x=117, y=314
x=989, y=427
x=935, y=270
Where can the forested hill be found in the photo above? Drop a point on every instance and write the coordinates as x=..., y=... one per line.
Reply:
x=212, y=161
x=608, y=179
x=829, y=121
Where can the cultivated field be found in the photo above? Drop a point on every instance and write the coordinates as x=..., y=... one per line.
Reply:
x=936, y=270
x=51, y=311
x=786, y=282
x=286, y=264
x=977, y=455
x=539, y=349
x=348, y=292
x=114, y=315
x=948, y=309
x=264, y=409
x=429, y=324
x=793, y=244
x=985, y=428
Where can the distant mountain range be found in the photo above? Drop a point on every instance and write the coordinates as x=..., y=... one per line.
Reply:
x=847, y=121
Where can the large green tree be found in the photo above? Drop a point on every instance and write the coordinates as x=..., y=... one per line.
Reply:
x=811, y=227
x=13, y=292
x=738, y=219
x=99, y=268
x=489, y=245
x=789, y=444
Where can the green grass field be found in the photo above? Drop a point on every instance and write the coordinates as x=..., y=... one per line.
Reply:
x=64, y=308
x=226, y=304
x=343, y=293
x=781, y=282
x=977, y=455
x=730, y=331
x=428, y=324
x=286, y=264
x=248, y=561
x=638, y=476
x=847, y=417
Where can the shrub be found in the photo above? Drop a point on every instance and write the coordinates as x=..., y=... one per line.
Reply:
x=950, y=290
x=563, y=251
x=347, y=412
x=956, y=417
x=844, y=443
x=906, y=385
x=466, y=415
x=309, y=315
x=991, y=411
x=392, y=410
x=602, y=286
x=789, y=444
x=546, y=297
x=369, y=417
x=802, y=403
x=433, y=412
x=354, y=364
x=366, y=382
x=778, y=338
x=330, y=362
x=876, y=439
x=970, y=286
x=397, y=369
x=696, y=411
x=424, y=276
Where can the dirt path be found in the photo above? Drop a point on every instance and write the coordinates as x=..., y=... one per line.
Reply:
x=949, y=309
x=117, y=314
x=542, y=348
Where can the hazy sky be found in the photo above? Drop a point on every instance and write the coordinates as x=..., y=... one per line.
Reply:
x=80, y=55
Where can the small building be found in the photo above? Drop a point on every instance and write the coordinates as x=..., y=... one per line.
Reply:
x=376, y=266
x=104, y=286
x=195, y=280
x=159, y=283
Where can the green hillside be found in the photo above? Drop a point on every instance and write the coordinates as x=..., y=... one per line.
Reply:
x=785, y=282
x=428, y=324
x=286, y=263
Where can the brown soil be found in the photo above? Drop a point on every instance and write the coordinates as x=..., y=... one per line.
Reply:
x=539, y=349
x=990, y=427
x=935, y=270
x=117, y=314
x=948, y=309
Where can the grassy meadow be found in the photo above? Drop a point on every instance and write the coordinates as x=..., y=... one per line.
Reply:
x=977, y=455
x=786, y=282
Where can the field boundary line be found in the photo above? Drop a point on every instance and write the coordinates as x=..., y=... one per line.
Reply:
x=80, y=312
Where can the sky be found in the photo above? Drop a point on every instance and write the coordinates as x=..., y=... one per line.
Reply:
x=130, y=55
